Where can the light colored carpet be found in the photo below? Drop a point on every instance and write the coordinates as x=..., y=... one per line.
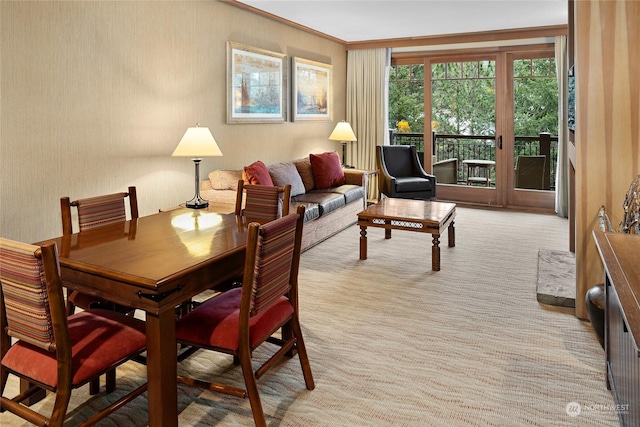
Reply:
x=393, y=343
x=556, y=278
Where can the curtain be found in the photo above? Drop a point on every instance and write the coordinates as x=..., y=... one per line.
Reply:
x=562, y=169
x=367, y=104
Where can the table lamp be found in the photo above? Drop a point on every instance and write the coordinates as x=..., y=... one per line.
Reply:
x=344, y=134
x=197, y=143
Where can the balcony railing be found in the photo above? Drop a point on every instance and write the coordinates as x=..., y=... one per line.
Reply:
x=467, y=147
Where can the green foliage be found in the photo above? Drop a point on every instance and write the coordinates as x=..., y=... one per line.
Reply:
x=406, y=97
x=463, y=97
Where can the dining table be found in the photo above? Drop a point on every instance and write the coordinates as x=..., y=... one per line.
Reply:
x=155, y=264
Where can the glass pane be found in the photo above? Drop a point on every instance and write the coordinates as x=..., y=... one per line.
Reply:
x=464, y=104
x=403, y=72
x=393, y=72
x=438, y=71
x=418, y=72
x=535, y=124
x=454, y=70
x=487, y=69
x=536, y=106
x=406, y=103
x=470, y=70
x=542, y=67
x=522, y=68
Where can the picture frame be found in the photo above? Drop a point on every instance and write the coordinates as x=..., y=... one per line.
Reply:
x=256, y=85
x=311, y=91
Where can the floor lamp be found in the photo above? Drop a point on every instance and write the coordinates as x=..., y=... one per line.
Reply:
x=344, y=134
x=197, y=143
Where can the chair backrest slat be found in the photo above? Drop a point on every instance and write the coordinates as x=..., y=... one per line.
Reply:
x=25, y=295
x=97, y=211
x=274, y=262
x=262, y=203
x=102, y=210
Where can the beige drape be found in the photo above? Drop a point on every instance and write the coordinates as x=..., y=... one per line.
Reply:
x=367, y=101
x=562, y=169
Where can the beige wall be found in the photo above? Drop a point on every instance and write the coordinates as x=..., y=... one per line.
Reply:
x=607, y=123
x=96, y=95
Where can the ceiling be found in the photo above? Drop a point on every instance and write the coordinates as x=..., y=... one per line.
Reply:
x=365, y=20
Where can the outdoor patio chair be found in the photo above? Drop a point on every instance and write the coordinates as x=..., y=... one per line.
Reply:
x=529, y=172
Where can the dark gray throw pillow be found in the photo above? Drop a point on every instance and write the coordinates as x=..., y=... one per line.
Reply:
x=287, y=173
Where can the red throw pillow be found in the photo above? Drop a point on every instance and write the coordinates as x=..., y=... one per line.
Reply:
x=327, y=171
x=257, y=173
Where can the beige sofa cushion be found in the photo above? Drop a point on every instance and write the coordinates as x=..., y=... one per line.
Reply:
x=225, y=179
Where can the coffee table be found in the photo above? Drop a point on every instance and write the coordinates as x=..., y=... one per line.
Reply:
x=410, y=215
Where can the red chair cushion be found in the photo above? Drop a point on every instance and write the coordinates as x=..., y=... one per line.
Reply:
x=99, y=339
x=215, y=323
x=327, y=170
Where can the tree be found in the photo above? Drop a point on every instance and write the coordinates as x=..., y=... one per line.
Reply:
x=406, y=97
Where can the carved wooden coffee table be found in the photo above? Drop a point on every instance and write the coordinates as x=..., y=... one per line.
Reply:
x=410, y=215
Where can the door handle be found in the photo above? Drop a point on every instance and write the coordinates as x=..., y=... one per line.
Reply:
x=500, y=142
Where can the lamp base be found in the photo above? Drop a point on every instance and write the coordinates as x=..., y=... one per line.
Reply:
x=197, y=203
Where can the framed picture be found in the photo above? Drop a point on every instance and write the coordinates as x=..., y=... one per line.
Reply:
x=256, y=85
x=312, y=90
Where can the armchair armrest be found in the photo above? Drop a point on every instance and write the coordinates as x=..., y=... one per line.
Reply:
x=418, y=169
x=386, y=181
x=420, y=172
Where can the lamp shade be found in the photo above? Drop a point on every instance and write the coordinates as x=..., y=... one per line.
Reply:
x=197, y=142
x=343, y=132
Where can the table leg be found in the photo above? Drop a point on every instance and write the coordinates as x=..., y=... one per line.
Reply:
x=162, y=369
x=435, y=253
x=363, y=242
x=387, y=231
x=452, y=235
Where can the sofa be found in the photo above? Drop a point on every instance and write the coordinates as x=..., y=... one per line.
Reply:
x=332, y=196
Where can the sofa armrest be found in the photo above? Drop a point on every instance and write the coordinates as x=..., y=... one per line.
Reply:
x=355, y=177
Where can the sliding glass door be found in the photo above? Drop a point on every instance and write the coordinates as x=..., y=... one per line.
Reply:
x=463, y=98
x=532, y=148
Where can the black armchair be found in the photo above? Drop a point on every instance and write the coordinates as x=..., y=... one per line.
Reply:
x=401, y=175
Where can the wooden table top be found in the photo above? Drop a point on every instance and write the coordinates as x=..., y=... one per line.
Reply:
x=153, y=250
x=407, y=209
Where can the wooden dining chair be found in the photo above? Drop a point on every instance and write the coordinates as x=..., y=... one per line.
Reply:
x=262, y=203
x=241, y=319
x=95, y=212
x=53, y=351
